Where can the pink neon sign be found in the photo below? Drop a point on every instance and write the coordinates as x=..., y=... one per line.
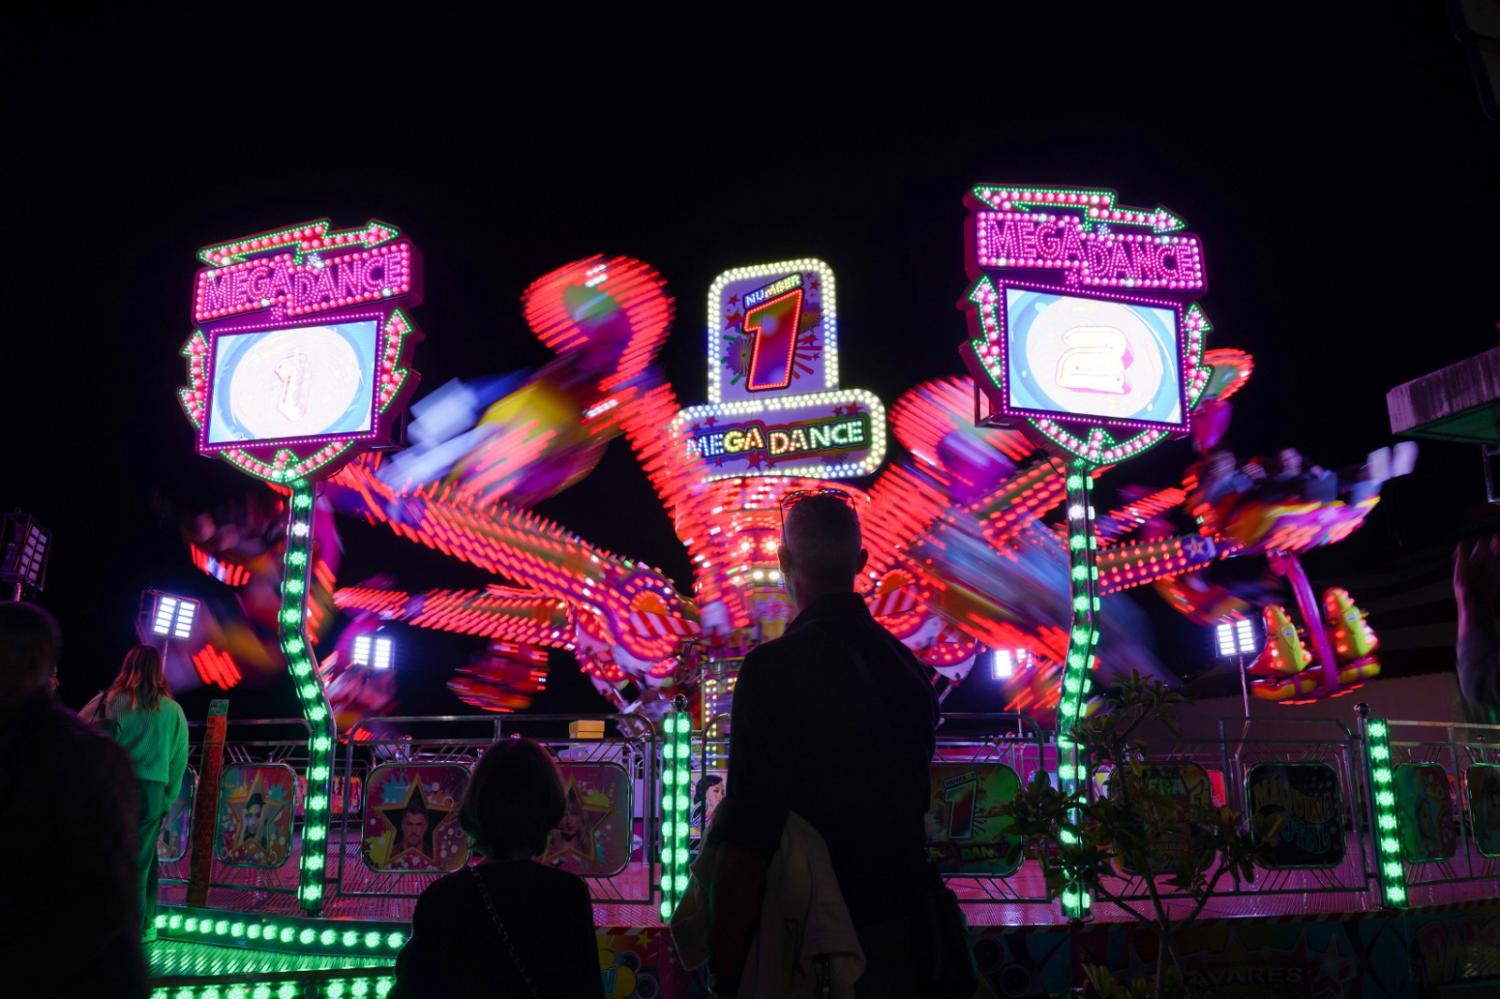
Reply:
x=1090, y=258
x=319, y=283
x=299, y=359
x=1063, y=339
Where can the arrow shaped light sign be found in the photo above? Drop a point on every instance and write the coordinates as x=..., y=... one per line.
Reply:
x=1084, y=322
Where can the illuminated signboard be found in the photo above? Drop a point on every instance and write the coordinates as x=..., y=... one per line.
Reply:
x=298, y=359
x=1084, y=322
x=775, y=406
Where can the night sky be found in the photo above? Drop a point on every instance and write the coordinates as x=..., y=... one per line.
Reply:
x=1341, y=175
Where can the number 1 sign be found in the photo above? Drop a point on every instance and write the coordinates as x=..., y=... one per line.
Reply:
x=775, y=406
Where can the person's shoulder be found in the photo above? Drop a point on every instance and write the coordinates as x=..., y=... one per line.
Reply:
x=557, y=880
x=778, y=652
x=85, y=742
x=446, y=888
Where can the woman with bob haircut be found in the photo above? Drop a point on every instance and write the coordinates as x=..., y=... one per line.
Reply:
x=506, y=926
x=138, y=711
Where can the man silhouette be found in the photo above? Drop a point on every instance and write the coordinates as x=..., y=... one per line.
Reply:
x=833, y=721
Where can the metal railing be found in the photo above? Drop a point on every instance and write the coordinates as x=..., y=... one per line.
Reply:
x=1439, y=832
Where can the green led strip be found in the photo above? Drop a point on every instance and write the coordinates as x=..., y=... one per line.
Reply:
x=285, y=933
x=1389, y=866
x=676, y=755
x=296, y=644
x=1082, y=639
x=363, y=987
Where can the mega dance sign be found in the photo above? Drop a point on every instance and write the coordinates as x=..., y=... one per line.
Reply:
x=1083, y=317
x=299, y=358
x=775, y=406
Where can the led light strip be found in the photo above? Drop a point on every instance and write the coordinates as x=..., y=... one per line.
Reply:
x=1390, y=869
x=279, y=934
x=296, y=644
x=675, y=777
x=374, y=985
x=1084, y=636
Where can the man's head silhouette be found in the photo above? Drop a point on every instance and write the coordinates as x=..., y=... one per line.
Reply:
x=821, y=550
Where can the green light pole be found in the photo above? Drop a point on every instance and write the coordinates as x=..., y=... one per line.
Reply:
x=300, y=658
x=1083, y=636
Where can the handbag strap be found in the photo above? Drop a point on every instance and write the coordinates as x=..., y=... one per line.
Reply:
x=510, y=948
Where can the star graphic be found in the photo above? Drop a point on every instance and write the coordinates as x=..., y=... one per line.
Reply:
x=581, y=843
x=394, y=816
x=257, y=844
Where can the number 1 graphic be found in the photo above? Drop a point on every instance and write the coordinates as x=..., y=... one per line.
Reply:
x=961, y=815
x=774, y=324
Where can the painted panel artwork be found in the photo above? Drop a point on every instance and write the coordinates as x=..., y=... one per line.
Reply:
x=1296, y=814
x=411, y=817
x=176, y=828
x=1424, y=811
x=1185, y=783
x=593, y=839
x=965, y=833
x=255, y=815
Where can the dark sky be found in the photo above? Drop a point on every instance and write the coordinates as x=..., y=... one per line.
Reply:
x=1340, y=174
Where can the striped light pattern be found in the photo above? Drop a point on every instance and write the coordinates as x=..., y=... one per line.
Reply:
x=676, y=778
x=369, y=986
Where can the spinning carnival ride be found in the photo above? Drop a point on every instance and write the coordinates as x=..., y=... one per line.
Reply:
x=962, y=556
x=1085, y=325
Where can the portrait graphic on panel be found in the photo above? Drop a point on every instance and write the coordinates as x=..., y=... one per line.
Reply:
x=1424, y=811
x=1296, y=815
x=1483, y=780
x=411, y=817
x=707, y=793
x=593, y=838
x=255, y=815
x=965, y=832
x=1186, y=785
x=176, y=828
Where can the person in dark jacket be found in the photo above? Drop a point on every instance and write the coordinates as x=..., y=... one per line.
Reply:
x=69, y=918
x=507, y=926
x=833, y=721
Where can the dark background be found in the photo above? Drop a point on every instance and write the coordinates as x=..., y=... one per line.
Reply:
x=1339, y=171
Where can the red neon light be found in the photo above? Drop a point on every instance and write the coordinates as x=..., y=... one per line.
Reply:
x=775, y=350
x=215, y=666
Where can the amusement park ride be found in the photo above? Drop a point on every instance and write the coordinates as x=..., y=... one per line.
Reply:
x=1087, y=347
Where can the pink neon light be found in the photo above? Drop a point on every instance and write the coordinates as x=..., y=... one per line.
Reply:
x=1090, y=258
x=302, y=287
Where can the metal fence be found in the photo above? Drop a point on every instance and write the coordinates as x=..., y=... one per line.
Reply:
x=1299, y=782
x=1449, y=811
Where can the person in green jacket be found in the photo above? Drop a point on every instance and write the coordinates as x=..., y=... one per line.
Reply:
x=138, y=710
